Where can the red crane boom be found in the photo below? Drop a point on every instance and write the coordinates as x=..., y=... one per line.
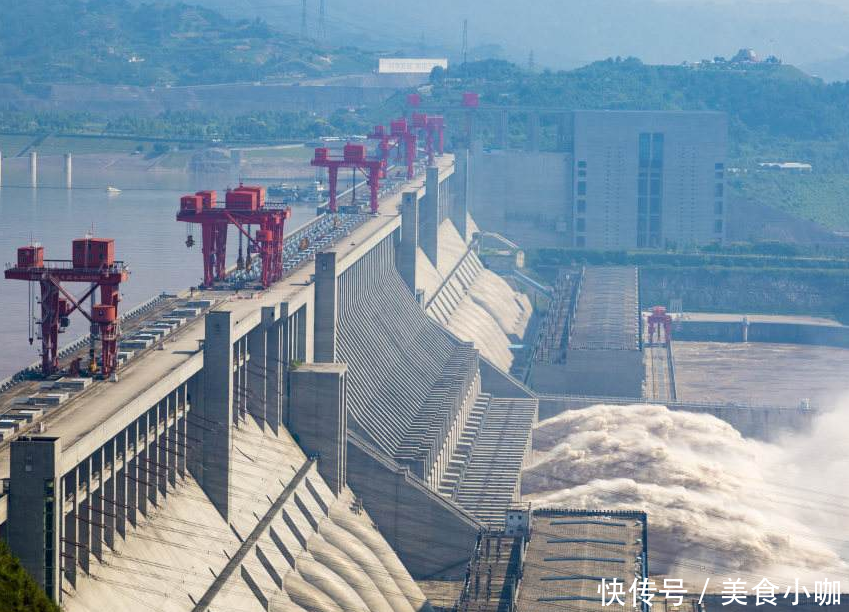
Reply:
x=243, y=207
x=93, y=262
x=353, y=156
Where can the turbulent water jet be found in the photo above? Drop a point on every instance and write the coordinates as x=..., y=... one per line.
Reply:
x=718, y=504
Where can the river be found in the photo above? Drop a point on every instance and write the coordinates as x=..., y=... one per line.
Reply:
x=141, y=219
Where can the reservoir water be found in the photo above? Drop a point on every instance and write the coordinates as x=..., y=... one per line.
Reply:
x=141, y=219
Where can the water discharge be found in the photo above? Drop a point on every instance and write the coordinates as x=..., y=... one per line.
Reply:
x=718, y=504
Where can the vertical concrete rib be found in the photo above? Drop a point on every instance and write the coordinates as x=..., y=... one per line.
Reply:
x=171, y=439
x=95, y=499
x=84, y=515
x=121, y=498
x=325, y=307
x=459, y=182
x=409, y=238
x=429, y=217
x=275, y=365
x=69, y=531
x=218, y=409
x=109, y=494
x=258, y=371
x=35, y=509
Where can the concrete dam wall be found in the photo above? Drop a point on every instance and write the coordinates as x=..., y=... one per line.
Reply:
x=761, y=331
x=309, y=447
x=777, y=291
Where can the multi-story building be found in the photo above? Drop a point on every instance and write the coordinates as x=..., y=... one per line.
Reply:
x=646, y=179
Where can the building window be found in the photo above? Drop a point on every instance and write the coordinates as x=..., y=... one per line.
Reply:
x=582, y=206
x=719, y=190
x=717, y=207
x=719, y=166
x=717, y=226
x=582, y=188
x=582, y=164
x=580, y=241
x=582, y=173
x=650, y=188
x=581, y=224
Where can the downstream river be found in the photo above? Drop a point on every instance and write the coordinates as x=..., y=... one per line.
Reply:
x=141, y=219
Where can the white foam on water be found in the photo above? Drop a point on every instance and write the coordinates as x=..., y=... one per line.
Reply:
x=718, y=504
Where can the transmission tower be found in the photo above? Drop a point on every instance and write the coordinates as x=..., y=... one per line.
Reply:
x=465, y=51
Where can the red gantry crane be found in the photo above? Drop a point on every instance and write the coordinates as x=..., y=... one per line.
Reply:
x=406, y=144
x=93, y=262
x=659, y=320
x=243, y=207
x=354, y=157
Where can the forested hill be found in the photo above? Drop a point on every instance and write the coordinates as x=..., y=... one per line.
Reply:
x=774, y=110
x=122, y=42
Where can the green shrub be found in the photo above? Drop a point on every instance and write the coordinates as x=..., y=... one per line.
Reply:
x=18, y=591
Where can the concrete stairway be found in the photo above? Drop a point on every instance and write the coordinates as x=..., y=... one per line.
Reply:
x=492, y=477
x=462, y=452
x=409, y=381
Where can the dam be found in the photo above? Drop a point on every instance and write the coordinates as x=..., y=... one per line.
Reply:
x=317, y=445
x=350, y=434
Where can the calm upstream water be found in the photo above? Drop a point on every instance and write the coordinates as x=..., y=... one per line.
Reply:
x=141, y=219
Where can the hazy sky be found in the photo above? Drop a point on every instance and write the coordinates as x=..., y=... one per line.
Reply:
x=565, y=33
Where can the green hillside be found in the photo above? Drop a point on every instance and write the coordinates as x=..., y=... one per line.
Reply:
x=776, y=113
x=18, y=591
x=117, y=41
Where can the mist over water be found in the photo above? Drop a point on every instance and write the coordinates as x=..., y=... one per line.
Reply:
x=718, y=504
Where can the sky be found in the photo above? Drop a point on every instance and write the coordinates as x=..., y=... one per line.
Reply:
x=570, y=33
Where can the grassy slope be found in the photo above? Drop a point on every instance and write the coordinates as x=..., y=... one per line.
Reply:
x=102, y=41
x=822, y=198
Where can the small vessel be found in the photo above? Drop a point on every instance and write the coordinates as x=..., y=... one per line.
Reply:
x=110, y=189
x=283, y=190
x=314, y=193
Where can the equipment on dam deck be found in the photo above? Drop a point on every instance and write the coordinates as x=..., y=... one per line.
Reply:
x=401, y=139
x=354, y=157
x=658, y=319
x=400, y=130
x=243, y=207
x=433, y=129
x=93, y=262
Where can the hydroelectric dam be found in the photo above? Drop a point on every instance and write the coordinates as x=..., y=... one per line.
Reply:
x=317, y=445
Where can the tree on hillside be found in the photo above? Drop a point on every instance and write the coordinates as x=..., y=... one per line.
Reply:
x=18, y=591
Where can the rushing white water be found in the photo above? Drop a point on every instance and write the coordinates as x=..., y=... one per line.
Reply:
x=718, y=504
x=490, y=311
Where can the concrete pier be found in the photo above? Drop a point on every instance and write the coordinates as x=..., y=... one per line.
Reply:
x=68, y=171
x=429, y=217
x=319, y=418
x=409, y=239
x=459, y=185
x=217, y=417
x=33, y=168
x=325, y=307
x=34, y=509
